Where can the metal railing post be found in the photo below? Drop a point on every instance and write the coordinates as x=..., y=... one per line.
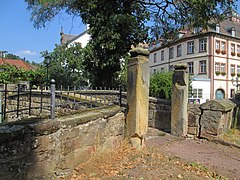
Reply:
x=0, y=105
x=41, y=98
x=5, y=103
x=30, y=98
x=120, y=95
x=52, y=88
x=18, y=99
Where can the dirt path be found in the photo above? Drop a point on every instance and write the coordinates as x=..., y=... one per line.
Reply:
x=164, y=157
x=224, y=159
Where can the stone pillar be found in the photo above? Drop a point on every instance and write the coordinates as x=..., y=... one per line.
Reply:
x=137, y=96
x=179, y=117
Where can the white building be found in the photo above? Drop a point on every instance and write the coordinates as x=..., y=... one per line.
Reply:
x=213, y=58
x=70, y=39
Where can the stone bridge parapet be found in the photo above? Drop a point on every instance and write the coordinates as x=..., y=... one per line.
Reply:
x=48, y=149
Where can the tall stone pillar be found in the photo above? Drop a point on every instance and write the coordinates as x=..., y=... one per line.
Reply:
x=137, y=96
x=179, y=117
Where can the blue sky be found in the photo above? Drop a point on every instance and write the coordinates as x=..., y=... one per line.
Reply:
x=19, y=37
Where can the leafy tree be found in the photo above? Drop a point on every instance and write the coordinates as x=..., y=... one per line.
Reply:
x=115, y=25
x=161, y=85
x=66, y=66
x=11, y=56
x=12, y=74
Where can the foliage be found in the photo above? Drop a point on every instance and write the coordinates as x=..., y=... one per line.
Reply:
x=165, y=15
x=116, y=25
x=12, y=74
x=161, y=85
x=66, y=66
x=11, y=56
x=217, y=73
x=122, y=74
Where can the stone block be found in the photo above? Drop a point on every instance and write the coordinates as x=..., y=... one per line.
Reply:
x=193, y=130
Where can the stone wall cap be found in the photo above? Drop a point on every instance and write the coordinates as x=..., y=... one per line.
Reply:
x=219, y=105
x=139, y=51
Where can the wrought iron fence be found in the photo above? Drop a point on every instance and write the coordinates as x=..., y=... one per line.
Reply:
x=19, y=102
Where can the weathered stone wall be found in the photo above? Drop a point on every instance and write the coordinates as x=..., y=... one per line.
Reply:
x=48, y=149
x=194, y=114
x=212, y=118
x=160, y=114
x=216, y=117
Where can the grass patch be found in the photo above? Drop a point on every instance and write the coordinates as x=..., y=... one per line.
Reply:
x=161, y=134
x=232, y=136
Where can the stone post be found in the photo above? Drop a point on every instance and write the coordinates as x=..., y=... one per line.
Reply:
x=179, y=117
x=137, y=96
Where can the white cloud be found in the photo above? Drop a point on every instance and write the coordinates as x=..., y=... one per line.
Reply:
x=26, y=53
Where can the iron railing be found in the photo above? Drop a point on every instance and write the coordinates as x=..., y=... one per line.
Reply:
x=22, y=101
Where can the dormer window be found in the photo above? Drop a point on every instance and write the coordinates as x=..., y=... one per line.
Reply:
x=197, y=30
x=233, y=32
x=217, y=28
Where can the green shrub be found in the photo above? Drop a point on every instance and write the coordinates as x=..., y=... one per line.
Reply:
x=161, y=85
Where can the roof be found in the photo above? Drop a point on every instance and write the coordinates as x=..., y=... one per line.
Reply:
x=66, y=38
x=78, y=36
x=226, y=26
x=18, y=63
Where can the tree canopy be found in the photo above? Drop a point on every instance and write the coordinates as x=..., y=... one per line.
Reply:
x=66, y=66
x=12, y=74
x=115, y=25
x=11, y=56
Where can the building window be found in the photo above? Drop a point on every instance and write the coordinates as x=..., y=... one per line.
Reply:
x=233, y=32
x=238, y=69
x=171, y=52
x=217, y=28
x=203, y=66
x=155, y=57
x=162, y=70
x=217, y=45
x=223, y=67
x=190, y=49
x=233, y=49
x=232, y=91
x=217, y=67
x=232, y=69
x=203, y=45
x=238, y=50
x=197, y=93
x=223, y=47
x=179, y=50
x=190, y=68
x=162, y=55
